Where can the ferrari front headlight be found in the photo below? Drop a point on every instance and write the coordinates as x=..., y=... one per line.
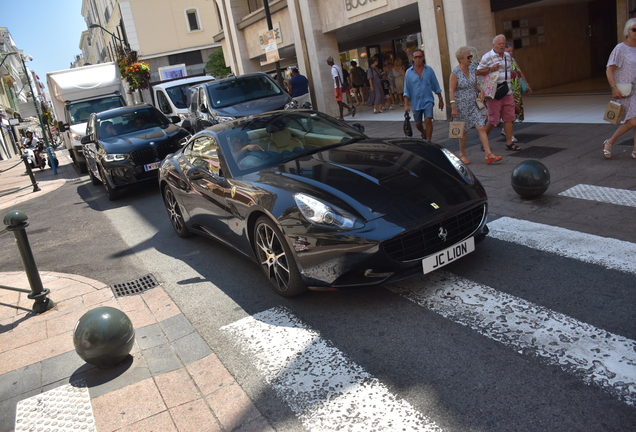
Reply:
x=459, y=166
x=325, y=215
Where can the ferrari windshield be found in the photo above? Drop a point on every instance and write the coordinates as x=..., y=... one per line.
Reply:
x=264, y=141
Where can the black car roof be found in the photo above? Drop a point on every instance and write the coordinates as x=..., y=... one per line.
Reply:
x=123, y=110
x=233, y=78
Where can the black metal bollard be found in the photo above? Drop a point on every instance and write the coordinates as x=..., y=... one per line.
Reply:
x=16, y=221
x=36, y=188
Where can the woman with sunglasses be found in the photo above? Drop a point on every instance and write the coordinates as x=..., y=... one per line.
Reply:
x=621, y=68
x=463, y=89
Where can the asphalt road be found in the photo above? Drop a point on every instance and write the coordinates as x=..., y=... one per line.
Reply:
x=456, y=376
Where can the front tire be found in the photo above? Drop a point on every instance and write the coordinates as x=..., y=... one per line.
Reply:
x=275, y=259
x=112, y=193
x=174, y=212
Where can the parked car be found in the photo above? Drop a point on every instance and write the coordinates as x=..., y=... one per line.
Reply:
x=316, y=203
x=231, y=98
x=124, y=146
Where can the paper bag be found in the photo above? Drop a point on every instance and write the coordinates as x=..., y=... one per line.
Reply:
x=489, y=84
x=613, y=112
x=456, y=129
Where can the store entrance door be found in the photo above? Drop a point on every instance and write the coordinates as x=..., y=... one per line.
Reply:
x=602, y=32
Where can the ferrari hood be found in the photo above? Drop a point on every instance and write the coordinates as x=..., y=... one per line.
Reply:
x=383, y=178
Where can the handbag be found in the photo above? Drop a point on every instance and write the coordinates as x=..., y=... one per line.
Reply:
x=523, y=85
x=503, y=89
x=480, y=104
x=626, y=89
x=407, y=125
x=456, y=129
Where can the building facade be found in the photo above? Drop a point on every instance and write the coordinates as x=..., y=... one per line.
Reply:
x=17, y=109
x=166, y=34
x=556, y=41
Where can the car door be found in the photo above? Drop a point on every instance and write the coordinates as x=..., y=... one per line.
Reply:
x=206, y=199
x=207, y=113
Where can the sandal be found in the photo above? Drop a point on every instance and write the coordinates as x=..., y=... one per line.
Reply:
x=513, y=147
x=490, y=158
x=464, y=159
x=607, y=152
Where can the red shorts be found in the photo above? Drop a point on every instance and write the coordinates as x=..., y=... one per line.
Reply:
x=337, y=94
x=503, y=109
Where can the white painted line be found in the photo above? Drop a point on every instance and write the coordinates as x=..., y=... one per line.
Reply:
x=595, y=355
x=64, y=409
x=327, y=391
x=607, y=252
x=602, y=194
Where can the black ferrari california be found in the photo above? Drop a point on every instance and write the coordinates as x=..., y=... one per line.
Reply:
x=319, y=205
x=124, y=146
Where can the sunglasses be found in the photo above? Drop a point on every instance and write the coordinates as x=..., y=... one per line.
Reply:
x=634, y=29
x=469, y=57
x=418, y=56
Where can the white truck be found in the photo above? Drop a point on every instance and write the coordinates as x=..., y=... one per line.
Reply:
x=76, y=94
x=171, y=96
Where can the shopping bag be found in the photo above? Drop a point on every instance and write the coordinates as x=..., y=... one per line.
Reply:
x=489, y=84
x=614, y=112
x=407, y=125
x=456, y=129
x=523, y=85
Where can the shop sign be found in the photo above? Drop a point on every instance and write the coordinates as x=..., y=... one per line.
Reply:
x=357, y=7
x=271, y=50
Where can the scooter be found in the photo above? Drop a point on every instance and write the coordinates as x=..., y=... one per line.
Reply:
x=29, y=151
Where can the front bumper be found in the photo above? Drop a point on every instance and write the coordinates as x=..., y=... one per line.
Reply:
x=380, y=253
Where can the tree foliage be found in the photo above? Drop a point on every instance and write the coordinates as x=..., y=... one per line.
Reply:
x=216, y=64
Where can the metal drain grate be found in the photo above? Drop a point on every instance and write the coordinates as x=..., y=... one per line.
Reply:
x=133, y=287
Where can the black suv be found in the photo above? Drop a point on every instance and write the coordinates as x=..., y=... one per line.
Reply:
x=230, y=98
x=124, y=146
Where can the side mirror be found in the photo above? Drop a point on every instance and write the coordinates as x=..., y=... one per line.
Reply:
x=175, y=119
x=87, y=139
x=61, y=126
x=203, y=108
x=195, y=173
x=186, y=125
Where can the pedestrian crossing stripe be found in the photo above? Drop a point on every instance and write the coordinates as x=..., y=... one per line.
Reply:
x=326, y=390
x=607, y=252
x=602, y=194
x=597, y=356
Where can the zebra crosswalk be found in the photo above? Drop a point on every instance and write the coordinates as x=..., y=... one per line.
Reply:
x=327, y=391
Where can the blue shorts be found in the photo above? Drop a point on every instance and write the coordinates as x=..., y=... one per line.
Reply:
x=426, y=113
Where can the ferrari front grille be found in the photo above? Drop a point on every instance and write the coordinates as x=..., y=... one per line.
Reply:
x=425, y=241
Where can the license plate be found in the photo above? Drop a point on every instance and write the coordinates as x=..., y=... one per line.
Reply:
x=448, y=255
x=152, y=166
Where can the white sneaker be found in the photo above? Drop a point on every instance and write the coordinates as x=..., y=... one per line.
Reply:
x=514, y=140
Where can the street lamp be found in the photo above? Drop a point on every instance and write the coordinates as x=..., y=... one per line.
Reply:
x=7, y=55
x=121, y=42
x=37, y=110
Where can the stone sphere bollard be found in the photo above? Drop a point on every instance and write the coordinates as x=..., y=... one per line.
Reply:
x=104, y=336
x=530, y=179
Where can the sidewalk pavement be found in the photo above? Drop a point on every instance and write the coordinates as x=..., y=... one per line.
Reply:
x=172, y=381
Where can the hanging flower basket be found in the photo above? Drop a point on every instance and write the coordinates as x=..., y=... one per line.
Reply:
x=137, y=75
